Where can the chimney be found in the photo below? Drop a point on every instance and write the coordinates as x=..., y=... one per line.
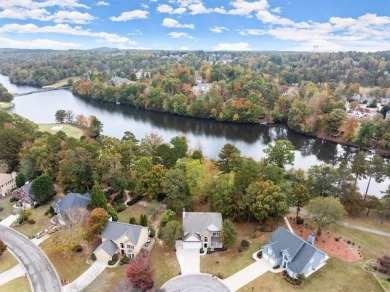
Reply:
x=184, y=213
x=311, y=239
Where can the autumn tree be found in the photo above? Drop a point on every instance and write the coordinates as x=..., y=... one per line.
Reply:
x=280, y=153
x=166, y=217
x=95, y=224
x=140, y=271
x=333, y=120
x=176, y=190
x=324, y=212
x=221, y=195
x=359, y=165
x=299, y=197
x=95, y=127
x=270, y=201
x=43, y=188
x=150, y=184
x=229, y=233
x=98, y=199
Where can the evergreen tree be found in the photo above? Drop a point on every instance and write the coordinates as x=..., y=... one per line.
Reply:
x=98, y=199
x=43, y=188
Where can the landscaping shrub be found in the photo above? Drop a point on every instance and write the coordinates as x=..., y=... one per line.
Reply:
x=244, y=243
x=276, y=267
x=152, y=231
x=31, y=221
x=50, y=211
x=124, y=260
x=134, y=200
x=13, y=199
x=115, y=257
x=132, y=220
x=299, y=220
x=253, y=235
x=1, y=209
x=93, y=256
x=260, y=254
x=240, y=249
x=77, y=248
x=201, y=250
x=121, y=208
x=337, y=238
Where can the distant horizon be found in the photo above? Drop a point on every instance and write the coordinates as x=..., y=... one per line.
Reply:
x=193, y=25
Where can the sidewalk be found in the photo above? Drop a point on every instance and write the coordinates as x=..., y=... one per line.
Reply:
x=9, y=220
x=86, y=278
x=11, y=274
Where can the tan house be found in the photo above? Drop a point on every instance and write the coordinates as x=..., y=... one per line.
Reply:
x=202, y=230
x=7, y=183
x=123, y=238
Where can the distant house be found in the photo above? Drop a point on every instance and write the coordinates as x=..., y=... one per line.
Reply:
x=361, y=98
x=201, y=88
x=118, y=81
x=140, y=74
x=123, y=238
x=7, y=183
x=25, y=196
x=202, y=230
x=70, y=202
x=293, y=253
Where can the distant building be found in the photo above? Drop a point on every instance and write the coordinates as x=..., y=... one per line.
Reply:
x=143, y=74
x=118, y=81
x=7, y=183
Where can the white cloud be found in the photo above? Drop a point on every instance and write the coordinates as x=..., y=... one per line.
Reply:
x=172, y=23
x=34, y=4
x=198, y=8
x=164, y=8
x=252, y=31
x=144, y=6
x=241, y=46
x=72, y=17
x=102, y=3
x=177, y=35
x=184, y=48
x=245, y=8
x=37, y=44
x=65, y=29
x=130, y=15
x=218, y=29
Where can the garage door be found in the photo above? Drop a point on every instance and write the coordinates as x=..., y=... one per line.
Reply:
x=270, y=260
x=192, y=245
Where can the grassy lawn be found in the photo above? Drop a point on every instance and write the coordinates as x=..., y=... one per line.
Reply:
x=6, y=105
x=18, y=285
x=107, y=280
x=7, y=261
x=70, y=130
x=62, y=82
x=336, y=275
x=165, y=264
x=373, y=221
x=69, y=265
x=231, y=261
x=41, y=221
x=7, y=207
x=132, y=211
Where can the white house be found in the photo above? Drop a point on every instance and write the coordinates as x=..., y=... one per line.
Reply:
x=123, y=238
x=7, y=183
x=202, y=230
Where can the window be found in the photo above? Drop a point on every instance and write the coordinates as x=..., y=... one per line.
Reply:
x=215, y=233
x=129, y=246
x=206, y=239
x=122, y=245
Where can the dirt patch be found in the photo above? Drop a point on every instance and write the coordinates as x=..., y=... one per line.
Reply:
x=333, y=246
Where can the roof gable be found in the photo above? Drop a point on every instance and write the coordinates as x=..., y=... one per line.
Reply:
x=115, y=230
x=200, y=221
x=73, y=201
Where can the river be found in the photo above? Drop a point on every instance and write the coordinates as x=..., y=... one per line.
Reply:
x=209, y=136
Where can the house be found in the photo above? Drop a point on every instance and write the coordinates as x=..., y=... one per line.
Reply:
x=70, y=202
x=25, y=196
x=123, y=238
x=118, y=81
x=202, y=230
x=294, y=254
x=7, y=183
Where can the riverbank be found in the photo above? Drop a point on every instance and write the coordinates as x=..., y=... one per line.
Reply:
x=63, y=82
x=6, y=105
x=69, y=129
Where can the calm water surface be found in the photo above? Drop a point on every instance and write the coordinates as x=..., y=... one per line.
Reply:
x=210, y=136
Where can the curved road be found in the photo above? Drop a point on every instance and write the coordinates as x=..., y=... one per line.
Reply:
x=43, y=276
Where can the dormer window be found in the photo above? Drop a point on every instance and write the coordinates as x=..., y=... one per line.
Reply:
x=122, y=245
x=285, y=257
x=216, y=234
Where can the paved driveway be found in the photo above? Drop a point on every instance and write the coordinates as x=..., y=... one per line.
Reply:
x=247, y=274
x=195, y=283
x=9, y=220
x=189, y=259
x=42, y=274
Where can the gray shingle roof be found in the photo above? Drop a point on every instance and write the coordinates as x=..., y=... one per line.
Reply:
x=299, y=250
x=109, y=247
x=73, y=201
x=114, y=230
x=199, y=222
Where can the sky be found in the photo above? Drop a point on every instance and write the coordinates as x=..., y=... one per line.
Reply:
x=211, y=25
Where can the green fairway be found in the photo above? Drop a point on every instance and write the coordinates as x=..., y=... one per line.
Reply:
x=70, y=130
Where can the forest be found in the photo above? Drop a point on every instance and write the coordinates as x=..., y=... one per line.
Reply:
x=235, y=185
x=307, y=91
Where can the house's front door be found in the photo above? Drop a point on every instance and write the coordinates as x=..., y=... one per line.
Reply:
x=205, y=245
x=122, y=252
x=284, y=264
